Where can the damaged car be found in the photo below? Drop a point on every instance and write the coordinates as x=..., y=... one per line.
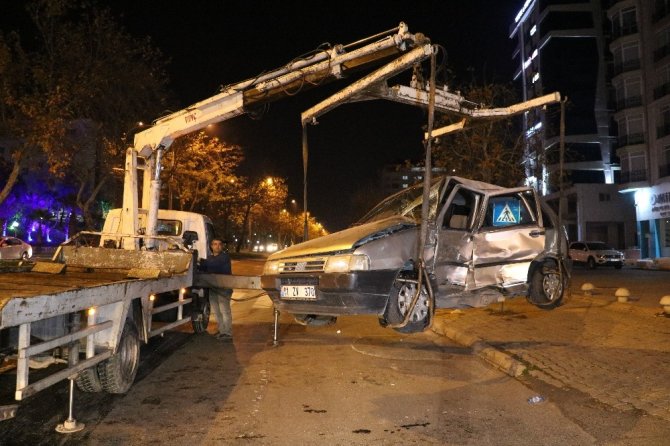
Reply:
x=480, y=243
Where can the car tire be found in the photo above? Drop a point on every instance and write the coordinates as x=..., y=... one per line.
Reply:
x=546, y=288
x=117, y=373
x=201, y=314
x=399, y=300
x=618, y=266
x=591, y=263
x=24, y=256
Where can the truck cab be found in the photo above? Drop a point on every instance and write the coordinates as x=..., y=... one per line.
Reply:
x=194, y=229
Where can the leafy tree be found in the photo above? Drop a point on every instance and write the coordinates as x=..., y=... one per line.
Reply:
x=260, y=201
x=70, y=99
x=200, y=173
x=491, y=151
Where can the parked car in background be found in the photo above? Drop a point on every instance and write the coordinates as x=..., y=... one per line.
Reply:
x=594, y=254
x=14, y=248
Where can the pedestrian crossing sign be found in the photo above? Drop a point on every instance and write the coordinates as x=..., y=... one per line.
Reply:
x=506, y=212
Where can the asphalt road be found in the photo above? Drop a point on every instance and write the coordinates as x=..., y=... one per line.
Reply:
x=349, y=383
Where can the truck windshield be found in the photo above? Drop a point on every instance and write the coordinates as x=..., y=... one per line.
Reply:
x=404, y=203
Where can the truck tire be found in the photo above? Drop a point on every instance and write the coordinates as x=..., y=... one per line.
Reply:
x=200, y=314
x=117, y=373
x=88, y=380
x=400, y=299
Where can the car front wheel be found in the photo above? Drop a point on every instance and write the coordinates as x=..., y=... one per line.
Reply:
x=403, y=291
x=547, y=286
x=591, y=263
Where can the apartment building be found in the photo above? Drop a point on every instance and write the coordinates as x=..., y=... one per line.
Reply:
x=640, y=45
x=562, y=45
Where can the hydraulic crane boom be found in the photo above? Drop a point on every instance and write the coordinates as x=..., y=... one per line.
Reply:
x=234, y=100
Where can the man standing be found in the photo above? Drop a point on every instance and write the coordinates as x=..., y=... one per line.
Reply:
x=219, y=298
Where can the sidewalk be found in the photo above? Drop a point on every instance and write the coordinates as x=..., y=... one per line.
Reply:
x=618, y=353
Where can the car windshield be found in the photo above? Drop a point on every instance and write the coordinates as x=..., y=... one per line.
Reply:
x=598, y=246
x=405, y=203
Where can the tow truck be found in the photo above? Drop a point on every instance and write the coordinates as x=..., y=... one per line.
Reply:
x=93, y=304
x=96, y=301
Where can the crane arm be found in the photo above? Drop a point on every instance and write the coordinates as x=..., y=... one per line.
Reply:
x=236, y=99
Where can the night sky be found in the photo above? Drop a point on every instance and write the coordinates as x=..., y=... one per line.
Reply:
x=213, y=43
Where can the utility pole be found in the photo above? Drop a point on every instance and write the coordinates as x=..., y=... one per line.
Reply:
x=561, y=154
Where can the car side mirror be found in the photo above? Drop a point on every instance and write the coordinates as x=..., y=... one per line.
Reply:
x=189, y=238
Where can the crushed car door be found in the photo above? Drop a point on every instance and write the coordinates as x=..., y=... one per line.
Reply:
x=454, y=249
x=510, y=237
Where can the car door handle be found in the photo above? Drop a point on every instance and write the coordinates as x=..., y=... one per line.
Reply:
x=536, y=233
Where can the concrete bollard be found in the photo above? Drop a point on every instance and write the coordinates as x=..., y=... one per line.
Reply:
x=588, y=288
x=622, y=295
x=665, y=303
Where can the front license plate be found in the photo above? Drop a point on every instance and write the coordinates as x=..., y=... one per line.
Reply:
x=298, y=292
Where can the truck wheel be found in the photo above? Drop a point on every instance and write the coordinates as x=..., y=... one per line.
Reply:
x=200, y=314
x=88, y=380
x=399, y=301
x=546, y=288
x=591, y=263
x=117, y=373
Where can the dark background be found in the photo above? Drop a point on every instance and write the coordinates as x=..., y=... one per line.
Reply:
x=213, y=43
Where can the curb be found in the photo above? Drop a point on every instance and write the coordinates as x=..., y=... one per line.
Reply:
x=481, y=348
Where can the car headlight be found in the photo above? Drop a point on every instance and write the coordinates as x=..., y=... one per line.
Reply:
x=347, y=262
x=270, y=267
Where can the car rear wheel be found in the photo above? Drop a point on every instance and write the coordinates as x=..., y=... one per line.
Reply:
x=547, y=286
x=403, y=291
x=200, y=314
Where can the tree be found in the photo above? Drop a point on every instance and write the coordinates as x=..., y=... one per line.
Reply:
x=260, y=201
x=71, y=98
x=491, y=152
x=200, y=173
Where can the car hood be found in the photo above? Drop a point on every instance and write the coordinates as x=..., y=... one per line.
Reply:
x=346, y=240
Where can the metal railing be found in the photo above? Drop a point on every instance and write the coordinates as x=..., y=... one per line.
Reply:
x=633, y=176
x=631, y=139
x=629, y=65
x=627, y=102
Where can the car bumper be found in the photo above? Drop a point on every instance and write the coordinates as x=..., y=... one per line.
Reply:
x=364, y=292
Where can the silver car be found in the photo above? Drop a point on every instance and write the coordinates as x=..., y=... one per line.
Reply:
x=483, y=243
x=14, y=248
x=594, y=254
